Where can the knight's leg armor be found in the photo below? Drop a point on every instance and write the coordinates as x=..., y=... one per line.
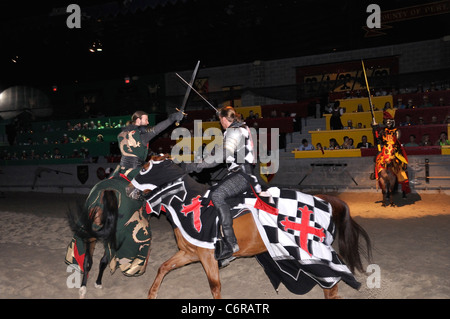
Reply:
x=234, y=185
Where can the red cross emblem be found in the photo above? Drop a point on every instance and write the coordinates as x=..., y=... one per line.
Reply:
x=304, y=228
x=195, y=209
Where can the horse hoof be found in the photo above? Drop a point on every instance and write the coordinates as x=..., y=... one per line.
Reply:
x=82, y=292
x=98, y=286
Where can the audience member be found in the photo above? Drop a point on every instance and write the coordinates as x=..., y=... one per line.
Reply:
x=306, y=146
x=364, y=143
x=426, y=140
x=400, y=104
x=334, y=145
x=410, y=105
x=348, y=144
x=426, y=102
x=407, y=121
x=335, y=119
x=412, y=141
x=443, y=140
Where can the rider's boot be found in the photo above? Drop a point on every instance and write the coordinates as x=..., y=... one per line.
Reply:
x=229, y=245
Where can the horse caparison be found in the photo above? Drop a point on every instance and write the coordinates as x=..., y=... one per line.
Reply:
x=251, y=244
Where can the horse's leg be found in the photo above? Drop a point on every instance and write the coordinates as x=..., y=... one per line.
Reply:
x=103, y=264
x=384, y=184
x=331, y=293
x=186, y=254
x=180, y=259
x=90, y=246
x=211, y=267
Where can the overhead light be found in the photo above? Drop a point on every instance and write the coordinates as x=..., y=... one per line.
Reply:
x=96, y=46
x=15, y=59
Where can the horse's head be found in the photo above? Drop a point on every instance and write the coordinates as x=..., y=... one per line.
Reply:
x=156, y=172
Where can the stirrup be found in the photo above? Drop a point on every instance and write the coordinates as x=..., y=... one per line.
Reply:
x=224, y=250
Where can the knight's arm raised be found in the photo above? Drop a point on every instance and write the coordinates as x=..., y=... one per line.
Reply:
x=150, y=133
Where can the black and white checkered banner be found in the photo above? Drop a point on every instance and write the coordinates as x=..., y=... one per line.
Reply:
x=298, y=232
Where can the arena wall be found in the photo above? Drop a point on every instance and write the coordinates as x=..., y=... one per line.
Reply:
x=308, y=174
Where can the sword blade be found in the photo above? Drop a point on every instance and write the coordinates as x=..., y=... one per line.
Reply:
x=188, y=90
x=196, y=92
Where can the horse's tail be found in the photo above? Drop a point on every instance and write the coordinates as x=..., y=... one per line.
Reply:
x=98, y=222
x=349, y=233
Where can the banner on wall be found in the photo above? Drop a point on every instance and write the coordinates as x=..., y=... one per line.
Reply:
x=346, y=76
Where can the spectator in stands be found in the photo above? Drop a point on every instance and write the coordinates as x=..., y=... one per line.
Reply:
x=349, y=124
x=69, y=126
x=57, y=153
x=335, y=119
x=99, y=125
x=443, y=140
x=251, y=115
x=306, y=146
x=426, y=102
x=65, y=139
x=45, y=141
x=407, y=121
x=400, y=105
x=348, y=144
x=441, y=101
x=75, y=154
x=412, y=141
x=92, y=125
x=334, y=145
x=364, y=143
x=360, y=108
x=100, y=138
x=425, y=140
x=410, y=105
x=421, y=121
x=434, y=120
x=319, y=147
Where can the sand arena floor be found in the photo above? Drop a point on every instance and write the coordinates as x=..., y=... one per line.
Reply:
x=410, y=248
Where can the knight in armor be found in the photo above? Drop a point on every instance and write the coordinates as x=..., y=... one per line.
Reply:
x=240, y=157
x=389, y=143
x=134, y=138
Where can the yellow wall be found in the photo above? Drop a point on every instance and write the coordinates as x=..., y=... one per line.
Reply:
x=327, y=153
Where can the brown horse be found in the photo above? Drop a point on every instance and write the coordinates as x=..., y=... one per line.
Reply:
x=249, y=239
x=387, y=181
x=388, y=169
